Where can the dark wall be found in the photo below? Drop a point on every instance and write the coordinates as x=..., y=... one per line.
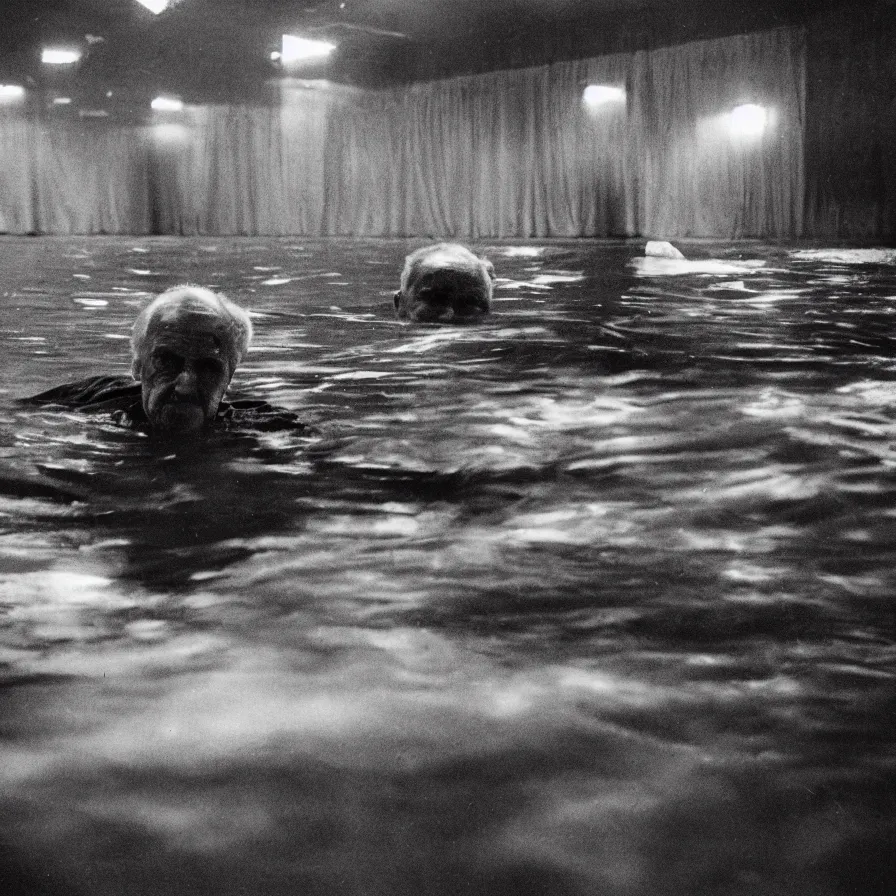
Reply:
x=528, y=35
x=850, y=133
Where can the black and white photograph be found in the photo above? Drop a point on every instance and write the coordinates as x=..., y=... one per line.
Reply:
x=447, y=447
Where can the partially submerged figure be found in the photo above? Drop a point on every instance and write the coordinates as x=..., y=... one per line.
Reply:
x=185, y=347
x=445, y=283
x=661, y=249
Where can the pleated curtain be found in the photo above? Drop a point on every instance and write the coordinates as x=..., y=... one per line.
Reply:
x=505, y=154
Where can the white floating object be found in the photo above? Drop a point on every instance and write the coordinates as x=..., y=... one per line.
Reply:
x=661, y=249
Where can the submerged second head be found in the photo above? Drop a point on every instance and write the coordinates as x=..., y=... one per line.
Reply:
x=444, y=283
x=186, y=345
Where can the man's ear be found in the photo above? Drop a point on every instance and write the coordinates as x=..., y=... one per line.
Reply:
x=397, y=299
x=489, y=268
x=136, y=369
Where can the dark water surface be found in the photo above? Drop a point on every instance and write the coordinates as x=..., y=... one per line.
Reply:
x=596, y=597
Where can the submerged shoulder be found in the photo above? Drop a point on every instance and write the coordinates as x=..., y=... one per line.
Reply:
x=90, y=393
x=252, y=414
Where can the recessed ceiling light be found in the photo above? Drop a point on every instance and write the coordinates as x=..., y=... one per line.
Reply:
x=167, y=104
x=297, y=49
x=62, y=100
x=155, y=6
x=59, y=56
x=11, y=92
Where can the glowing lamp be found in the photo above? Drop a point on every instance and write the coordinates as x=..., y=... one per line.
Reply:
x=299, y=49
x=598, y=94
x=59, y=56
x=167, y=104
x=9, y=93
x=62, y=100
x=748, y=120
x=155, y=6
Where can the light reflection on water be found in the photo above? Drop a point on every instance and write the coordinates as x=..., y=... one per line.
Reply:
x=594, y=597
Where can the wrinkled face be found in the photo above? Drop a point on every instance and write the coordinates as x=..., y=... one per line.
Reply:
x=445, y=285
x=183, y=372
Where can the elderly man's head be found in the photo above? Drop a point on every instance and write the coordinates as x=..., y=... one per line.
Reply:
x=445, y=283
x=186, y=345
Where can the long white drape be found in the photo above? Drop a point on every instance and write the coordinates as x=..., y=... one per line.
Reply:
x=698, y=178
x=80, y=177
x=505, y=154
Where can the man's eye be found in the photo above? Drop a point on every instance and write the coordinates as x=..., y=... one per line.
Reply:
x=209, y=367
x=167, y=361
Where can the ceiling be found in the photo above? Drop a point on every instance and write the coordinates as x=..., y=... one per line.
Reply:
x=220, y=50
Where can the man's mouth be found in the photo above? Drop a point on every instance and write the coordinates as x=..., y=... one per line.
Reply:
x=182, y=414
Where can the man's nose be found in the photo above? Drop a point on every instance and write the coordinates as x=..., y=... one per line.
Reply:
x=186, y=380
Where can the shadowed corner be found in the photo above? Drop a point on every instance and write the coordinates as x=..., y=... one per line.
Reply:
x=18, y=877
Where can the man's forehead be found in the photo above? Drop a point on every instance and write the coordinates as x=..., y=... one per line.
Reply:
x=192, y=331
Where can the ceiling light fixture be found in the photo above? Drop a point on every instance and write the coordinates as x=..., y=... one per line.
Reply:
x=155, y=6
x=299, y=49
x=167, y=104
x=11, y=92
x=59, y=56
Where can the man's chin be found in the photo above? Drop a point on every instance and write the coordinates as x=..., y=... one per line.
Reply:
x=179, y=420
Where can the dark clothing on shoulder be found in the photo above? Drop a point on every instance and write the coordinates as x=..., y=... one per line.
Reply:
x=120, y=398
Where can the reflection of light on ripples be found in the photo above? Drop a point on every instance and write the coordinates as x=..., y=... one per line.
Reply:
x=60, y=605
x=517, y=285
x=846, y=256
x=432, y=341
x=772, y=403
x=770, y=483
x=521, y=251
x=665, y=267
x=559, y=277
x=364, y=375
x=558, y=621
x=733, y=285
x=590, y=523
x=870, y=391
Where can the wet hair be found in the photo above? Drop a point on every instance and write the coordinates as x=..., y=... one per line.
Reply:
x=235, y=330
x=411, y=262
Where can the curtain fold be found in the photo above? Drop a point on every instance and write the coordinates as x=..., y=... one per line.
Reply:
x=505, y=154
x=17, y=213
x=700, y=179
x=240, y=170
x=517, y=153
x=72, y=177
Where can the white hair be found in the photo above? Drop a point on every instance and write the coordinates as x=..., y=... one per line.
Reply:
x=236, y=328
